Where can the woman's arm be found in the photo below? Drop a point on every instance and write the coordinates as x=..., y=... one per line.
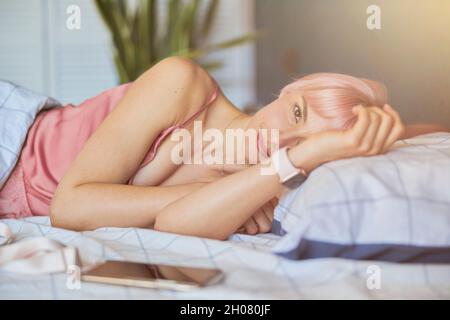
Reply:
x=423, y=128
x=221, y=207
x=96, y=205
x=93, y=193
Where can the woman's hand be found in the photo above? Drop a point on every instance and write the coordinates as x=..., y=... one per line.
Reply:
x=373, y=133
x=261, y=221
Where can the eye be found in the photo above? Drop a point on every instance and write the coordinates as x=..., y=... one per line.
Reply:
x=298, y=113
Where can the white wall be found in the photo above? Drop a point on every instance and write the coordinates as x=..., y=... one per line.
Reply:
x=37, y=50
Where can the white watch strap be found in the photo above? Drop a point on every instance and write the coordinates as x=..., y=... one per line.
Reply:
x=284, y=167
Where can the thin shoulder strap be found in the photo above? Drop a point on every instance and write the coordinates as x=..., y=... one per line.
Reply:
x=152, y=152
x=204, y=107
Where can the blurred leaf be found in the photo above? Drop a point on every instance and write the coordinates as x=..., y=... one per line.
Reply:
x=138, y=43
x=189, y=22
x=195, y=54
x=173, y=25
x=211, y=13
x=146, y=21
x=212, y=65
x=123, y=75
x=123, y=7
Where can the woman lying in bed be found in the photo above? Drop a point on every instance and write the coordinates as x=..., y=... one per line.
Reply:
x=109, y=162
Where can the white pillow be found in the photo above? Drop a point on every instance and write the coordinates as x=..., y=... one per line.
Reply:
x=392, y=207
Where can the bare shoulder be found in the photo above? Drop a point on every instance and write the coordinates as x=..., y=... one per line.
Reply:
x=182, y=80
x=165, y=94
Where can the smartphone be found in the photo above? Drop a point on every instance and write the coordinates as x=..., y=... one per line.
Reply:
x=154, y=276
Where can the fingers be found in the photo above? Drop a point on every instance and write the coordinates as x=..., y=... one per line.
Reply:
x=369, y=138
x=263, y=221
x=241, y=229
x=359, y=129
x=375, y=130
x=386, y=124
x=269, y=209
x=398, y=128
x=251, y=227
x=274, y=202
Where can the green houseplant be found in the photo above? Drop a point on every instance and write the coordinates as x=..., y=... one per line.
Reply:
x=141, y=39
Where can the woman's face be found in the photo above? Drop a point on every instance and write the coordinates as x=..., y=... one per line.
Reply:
x=292, y=117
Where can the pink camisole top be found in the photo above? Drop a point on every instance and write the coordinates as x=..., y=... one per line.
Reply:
x=57, y=136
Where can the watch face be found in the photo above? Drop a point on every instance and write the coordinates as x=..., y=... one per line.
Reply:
x=295, y=181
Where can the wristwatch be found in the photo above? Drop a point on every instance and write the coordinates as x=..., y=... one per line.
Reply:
x=290, y=176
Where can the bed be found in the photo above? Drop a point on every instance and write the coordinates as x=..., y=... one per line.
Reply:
x=254, y=266
x=252, y=270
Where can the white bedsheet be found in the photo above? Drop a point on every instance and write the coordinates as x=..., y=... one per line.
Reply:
x=252, y=271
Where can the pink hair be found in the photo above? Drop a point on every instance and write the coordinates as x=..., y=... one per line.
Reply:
x=333, y=95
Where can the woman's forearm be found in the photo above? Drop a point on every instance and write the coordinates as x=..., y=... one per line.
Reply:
x=219, y=208
x=94, y=205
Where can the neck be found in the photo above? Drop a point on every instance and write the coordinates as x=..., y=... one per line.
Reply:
x=229, y=117
x=239, y=121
